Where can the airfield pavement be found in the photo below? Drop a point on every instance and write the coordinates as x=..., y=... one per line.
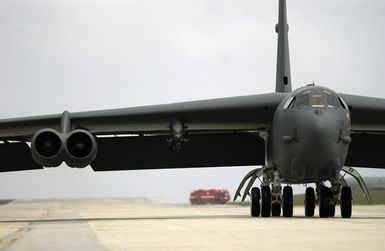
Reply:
x=135, y=224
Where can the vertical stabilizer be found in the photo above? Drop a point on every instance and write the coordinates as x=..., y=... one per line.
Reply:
x=283, y=81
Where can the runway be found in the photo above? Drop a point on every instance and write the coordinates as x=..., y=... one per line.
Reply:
x=136, y=224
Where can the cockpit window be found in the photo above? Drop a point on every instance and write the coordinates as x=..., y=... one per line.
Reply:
x=289, y=103
x=316, y=99
x=332, y=101
x=342, y=103
x=302, y=100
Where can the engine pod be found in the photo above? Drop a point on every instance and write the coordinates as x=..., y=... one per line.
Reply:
x=80, y=148
x=47, y=147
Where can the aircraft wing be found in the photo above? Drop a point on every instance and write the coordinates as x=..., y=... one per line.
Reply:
x=220, y=132
x=367, y=113
x=367, y=131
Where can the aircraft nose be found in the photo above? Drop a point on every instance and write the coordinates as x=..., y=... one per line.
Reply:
x=318, y=126
x=317, y=135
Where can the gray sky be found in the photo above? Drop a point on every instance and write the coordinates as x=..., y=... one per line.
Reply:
x=83, y=55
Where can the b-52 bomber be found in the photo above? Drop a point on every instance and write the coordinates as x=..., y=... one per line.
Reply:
x=310, y=135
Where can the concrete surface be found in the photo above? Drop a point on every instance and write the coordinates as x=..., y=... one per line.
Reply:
x=134, y=224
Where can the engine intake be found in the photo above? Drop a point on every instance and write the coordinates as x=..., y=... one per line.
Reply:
x=50, y=148
x=80, y=147
x=47, y=148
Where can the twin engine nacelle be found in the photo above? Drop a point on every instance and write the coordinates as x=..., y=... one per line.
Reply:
x=77, y=148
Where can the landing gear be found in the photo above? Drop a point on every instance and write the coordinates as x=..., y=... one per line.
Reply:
x=334, y=194
x=275, y=210
x=324, y=201
x=271, y=200
x=346, y=202
x=276, y=193
x=261, y=203
x=255, y=202
x=309, y=202
x=287, y=201
x=266, y=201
x=328, y=198
x=351, y=171
x=332, y=210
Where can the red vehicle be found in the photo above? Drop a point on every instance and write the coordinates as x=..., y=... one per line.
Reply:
x=211, y=196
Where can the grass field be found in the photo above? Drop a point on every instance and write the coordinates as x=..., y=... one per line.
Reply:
x=3, y=202
x=378, y=198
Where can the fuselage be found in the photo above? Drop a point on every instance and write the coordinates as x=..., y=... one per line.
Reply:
x=310, y=135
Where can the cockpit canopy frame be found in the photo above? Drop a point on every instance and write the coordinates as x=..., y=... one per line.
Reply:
x=315, y=98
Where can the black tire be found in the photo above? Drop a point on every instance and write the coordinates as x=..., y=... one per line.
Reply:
x=287, y=201
x=332, y=210
x=346, y=202
x=309, y=202
x=255, y=208
x=324, y=202
x=266, y=201
x=275, y=209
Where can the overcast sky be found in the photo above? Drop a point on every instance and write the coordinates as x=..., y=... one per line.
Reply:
x=83, y=55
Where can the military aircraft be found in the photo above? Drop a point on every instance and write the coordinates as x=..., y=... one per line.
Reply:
x=309, y=135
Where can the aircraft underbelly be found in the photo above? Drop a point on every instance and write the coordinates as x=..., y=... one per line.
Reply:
x=299, y=165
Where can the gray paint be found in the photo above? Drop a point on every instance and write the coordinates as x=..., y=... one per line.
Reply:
x=316, y=151
x=283, y=79
x=311, y=157
x=236, y=113
x=343, y=80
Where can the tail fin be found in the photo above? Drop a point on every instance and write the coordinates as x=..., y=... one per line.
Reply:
x=283, y=82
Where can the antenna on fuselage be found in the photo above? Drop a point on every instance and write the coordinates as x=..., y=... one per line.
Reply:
x=283, y=81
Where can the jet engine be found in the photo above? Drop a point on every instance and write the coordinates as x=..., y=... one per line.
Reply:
x=47, y=147
x=80, y=148
x=50, y=148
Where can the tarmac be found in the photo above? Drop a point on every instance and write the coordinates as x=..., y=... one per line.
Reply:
x=136, y=224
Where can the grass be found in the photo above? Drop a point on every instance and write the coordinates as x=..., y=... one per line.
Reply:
x=378, y=198
x=4, y=202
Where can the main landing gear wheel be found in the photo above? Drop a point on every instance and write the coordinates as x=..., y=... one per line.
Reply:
x=332, y=210
x=324, y=202
x=275, y=209
x=255, y=208
x=309, y=202
x=266, y=201
x=287, y=201
x=346, y=202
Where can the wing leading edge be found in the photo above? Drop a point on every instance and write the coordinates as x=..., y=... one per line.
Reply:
x=220, y=132
x=237, y=113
